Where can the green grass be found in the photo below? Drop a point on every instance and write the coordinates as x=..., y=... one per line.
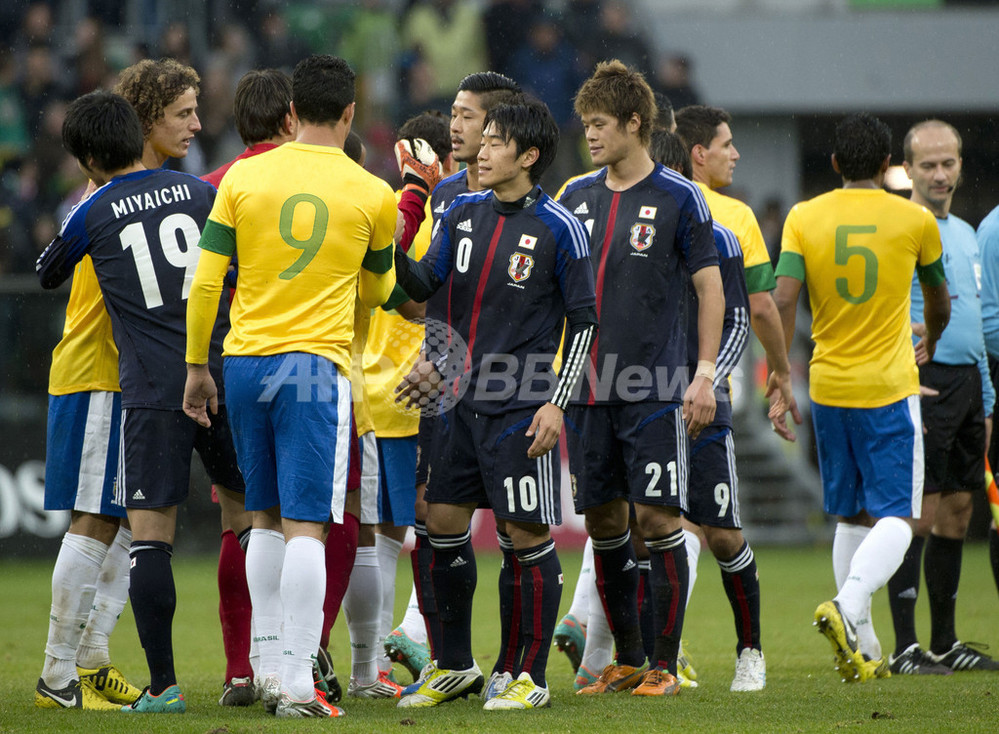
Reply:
x=803, y=693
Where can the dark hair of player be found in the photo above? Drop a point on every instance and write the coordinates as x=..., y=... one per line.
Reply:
x=492, y=88
x=667, y=148
x=697, y=124
x=151, y=86
x=322, y=88
x=907, y=142
x=619, y=91
x=529, y=125
x=433, y=127
x=861, y=145
x=261, y=102
x=102, y=130
x=667, y=118
x=353, y=147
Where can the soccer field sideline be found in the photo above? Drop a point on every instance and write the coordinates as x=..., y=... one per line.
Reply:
x=803, y=693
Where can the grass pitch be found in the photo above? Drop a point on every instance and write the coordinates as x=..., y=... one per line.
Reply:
x=803, y=693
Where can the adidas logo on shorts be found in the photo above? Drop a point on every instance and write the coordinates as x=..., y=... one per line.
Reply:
x=137, y=495
x=465, y=226
x=581, y=209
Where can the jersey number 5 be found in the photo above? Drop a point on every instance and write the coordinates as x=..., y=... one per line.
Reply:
x=844, y=251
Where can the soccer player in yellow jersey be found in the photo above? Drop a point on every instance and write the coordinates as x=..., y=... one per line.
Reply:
x=856, y=248
x=311, y=230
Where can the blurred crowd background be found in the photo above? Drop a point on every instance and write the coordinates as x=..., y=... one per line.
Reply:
x=409, y=56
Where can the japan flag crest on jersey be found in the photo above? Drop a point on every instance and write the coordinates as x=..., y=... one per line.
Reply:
x=642, y=236
x=520, y=267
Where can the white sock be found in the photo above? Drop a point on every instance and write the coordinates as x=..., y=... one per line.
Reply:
x=580, y=606
x=413, y=623
x=693, y=544
x=109, y=601
x=303, y=590
x=264, y=563
x=876, y=560
x=74, y=583
x=362, y=608
x=846, y=540
x=388, y=559
x=599, y=650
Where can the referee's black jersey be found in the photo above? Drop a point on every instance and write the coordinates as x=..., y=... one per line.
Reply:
x=510, y=272
x=645, y=242
x=142, y=230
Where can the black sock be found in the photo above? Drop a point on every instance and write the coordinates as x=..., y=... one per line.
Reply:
x=645, y=610
x=903, y=591
x=616, y=570
x=421, y=557
x=994, y=554
x=509, y=602
x=154, y=600
x=669, y=576
x=541, y=592
x=742, y=586
x=942, y=566
x=454, y=574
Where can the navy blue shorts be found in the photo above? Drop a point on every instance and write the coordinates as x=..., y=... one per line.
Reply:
x=636, y=451
x=156, y=446
x=713, y=488
x=483, y=459
x=955, y=428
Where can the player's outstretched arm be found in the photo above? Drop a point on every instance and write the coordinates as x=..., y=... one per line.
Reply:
x=786, y=298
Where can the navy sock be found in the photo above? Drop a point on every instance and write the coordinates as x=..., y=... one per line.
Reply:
x=541, y=592
x=154, y=601
x=616, y=571
x=669, y=576
x=942, y=566
x=903, y=591
x=511, y=643
x=742, y=586
x=454, y=574
x=421, y=557
x=645, y=610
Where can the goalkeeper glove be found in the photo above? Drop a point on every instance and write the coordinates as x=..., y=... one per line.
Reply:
x=418, y=165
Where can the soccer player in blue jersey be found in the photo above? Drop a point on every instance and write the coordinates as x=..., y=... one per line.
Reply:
x=651, y=237
x=515, y=264
x=958, y=420
x=140, y=228
x=477, y=94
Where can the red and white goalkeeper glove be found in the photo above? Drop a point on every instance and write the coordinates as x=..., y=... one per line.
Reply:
x=418, y=165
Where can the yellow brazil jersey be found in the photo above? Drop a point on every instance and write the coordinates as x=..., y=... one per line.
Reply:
x=86, y=357
x=311, y=231
x=393, y=346
x=856, y=250
x=739, y=218
x=358, y=389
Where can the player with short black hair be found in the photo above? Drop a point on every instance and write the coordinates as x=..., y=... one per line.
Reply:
x=132, y=227
x=628, y=438
x=863, y=380
x=667, y=148
x=312, y=231
x=515, y=265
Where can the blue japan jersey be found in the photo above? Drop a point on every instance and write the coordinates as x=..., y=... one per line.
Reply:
x=141, y=231
x=735, y=330
x=510, y=274
x=645, y=242
x=443, y=196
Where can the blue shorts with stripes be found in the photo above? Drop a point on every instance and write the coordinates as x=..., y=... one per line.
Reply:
x=636, y=451
x=290, y=418
x=483, y=459
x=713, y=491
x=81, y=452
